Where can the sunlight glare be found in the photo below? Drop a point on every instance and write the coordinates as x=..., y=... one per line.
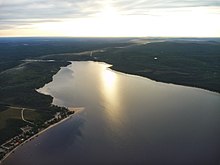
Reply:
x=110, y=23
x=111, y=97
x=109, y=78
x=108, y=13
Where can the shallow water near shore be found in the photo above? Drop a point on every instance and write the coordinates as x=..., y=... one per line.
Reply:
x=126, y=119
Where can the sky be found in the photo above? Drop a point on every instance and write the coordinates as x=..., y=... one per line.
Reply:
x=110, y=18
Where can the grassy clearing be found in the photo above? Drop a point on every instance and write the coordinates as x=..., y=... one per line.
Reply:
x=10, y=123
x=35, y=116
x=10, y=113
x=11, y=120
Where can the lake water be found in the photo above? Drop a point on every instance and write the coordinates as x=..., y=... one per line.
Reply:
x=125, y=119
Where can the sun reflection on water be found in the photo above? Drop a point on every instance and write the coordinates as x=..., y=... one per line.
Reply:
x=110, y=95
x=109, y=79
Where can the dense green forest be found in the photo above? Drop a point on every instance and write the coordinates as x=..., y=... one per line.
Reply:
x=190, y=64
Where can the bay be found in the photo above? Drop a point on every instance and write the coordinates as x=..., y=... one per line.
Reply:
x=125, y=119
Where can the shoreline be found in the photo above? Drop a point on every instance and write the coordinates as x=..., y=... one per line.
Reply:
x=160, y=81
x=34, y=136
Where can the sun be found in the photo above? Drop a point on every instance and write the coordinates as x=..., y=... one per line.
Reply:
x=111, y=21
x=108, y=13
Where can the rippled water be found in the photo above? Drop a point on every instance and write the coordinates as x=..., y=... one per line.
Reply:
x=125, y=119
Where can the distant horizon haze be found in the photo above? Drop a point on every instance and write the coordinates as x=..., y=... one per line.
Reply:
x=109, y=18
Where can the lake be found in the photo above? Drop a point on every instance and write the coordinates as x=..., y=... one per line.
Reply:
x=125, y=119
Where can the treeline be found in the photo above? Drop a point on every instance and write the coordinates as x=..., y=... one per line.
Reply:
x=190, y=64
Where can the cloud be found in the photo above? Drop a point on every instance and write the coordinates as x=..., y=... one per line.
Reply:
x=37, y=9
x=19, y=12
x=140, y=7
x=25, y=12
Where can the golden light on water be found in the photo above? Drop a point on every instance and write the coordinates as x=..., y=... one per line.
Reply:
x=109, y=80
x=110, y=95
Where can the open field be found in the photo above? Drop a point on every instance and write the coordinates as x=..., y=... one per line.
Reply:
x=11, y=120
x=10, y=123
x=32, y=116
x=9, y=114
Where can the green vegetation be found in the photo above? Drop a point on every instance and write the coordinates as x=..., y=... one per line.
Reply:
x=11, y=120
x=19, y=79
x=186, y=63
x=10, y=123
x=190, y=64
x=13, y=50
x=17, y=88
x=10, y=113
x=18, y=84
x=33, y=115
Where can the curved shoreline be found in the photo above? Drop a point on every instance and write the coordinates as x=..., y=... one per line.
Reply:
x=34, y=136
x=164, y=82
x=114, y=68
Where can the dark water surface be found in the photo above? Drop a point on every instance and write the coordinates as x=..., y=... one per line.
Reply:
x=125, y=119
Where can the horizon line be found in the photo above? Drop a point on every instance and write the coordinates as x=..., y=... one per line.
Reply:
x=109, y=37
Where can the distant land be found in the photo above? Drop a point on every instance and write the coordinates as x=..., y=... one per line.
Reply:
x=28, y=63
